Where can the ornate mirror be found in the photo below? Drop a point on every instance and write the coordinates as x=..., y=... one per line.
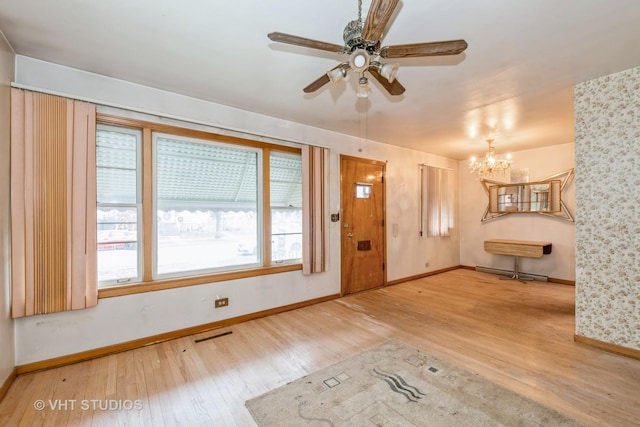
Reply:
x=541, y=197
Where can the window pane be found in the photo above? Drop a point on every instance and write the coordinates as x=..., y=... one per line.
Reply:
x=363, y=191
x=206, y=206
x=118, y=195
x=116, y=161
x=286, y=207
x=117, y=244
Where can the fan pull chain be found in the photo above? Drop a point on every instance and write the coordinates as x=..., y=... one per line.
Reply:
x=359, y=10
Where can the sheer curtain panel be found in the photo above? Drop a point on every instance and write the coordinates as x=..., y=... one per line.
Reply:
x=437, y=201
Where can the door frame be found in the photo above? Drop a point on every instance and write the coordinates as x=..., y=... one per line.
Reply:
x=383, y=210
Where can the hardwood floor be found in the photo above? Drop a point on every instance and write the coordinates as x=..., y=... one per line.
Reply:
x=520, y=336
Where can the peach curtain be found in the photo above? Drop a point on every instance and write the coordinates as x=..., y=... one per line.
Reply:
x=315, y=161
x=53, y=204
x=437, y=199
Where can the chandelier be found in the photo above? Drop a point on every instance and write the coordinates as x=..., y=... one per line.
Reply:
x=491, y=166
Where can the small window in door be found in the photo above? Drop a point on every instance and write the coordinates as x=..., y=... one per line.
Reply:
x=363, y=190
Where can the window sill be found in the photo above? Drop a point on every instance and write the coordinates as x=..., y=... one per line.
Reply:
x=159, y=285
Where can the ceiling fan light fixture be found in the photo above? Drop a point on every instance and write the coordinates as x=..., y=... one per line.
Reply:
x=363, y=88
x=389, y=71
x=363, y=91
x=359, y=60
x=337, y=75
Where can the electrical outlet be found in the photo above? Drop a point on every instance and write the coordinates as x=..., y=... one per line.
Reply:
x=221, y=302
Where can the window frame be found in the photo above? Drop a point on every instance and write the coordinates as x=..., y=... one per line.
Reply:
x=137, y=205
x=147, y=222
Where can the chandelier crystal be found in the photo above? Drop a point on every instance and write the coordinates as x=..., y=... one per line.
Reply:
x=491, y=166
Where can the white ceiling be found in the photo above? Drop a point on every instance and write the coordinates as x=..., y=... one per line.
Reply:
x=516, y=76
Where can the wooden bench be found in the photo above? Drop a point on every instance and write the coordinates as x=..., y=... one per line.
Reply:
x=517, y=248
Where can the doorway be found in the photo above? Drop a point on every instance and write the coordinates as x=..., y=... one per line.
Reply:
x=362, y=240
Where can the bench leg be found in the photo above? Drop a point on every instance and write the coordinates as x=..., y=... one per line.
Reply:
x=516, y=271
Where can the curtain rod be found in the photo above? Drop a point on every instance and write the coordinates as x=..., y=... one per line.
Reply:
x=438, y=167
x=229, y=130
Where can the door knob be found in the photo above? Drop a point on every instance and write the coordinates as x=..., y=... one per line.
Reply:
x=349, y=235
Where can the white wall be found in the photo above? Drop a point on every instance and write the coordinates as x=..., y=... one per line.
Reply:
x=7, y=342
x=542, y=162
x=409, y=254
x=125, y=318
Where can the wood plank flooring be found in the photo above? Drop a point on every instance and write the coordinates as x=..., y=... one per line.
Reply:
x=517, y=335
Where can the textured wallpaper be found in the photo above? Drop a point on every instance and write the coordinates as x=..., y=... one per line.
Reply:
x=607, y=144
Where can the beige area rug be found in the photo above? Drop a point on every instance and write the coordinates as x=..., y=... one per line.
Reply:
x=395, y=384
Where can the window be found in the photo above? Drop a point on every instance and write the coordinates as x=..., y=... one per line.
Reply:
x=119, y=204
x=176, y=204
x=285, y=173
x=207, y=198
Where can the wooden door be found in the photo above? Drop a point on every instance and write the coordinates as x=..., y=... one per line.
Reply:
x=362, y=224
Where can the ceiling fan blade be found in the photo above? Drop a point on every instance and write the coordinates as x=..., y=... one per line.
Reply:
x=301, y=41
x=451, y=47
x=394, y=88
x=379, y=14
x=317, y=84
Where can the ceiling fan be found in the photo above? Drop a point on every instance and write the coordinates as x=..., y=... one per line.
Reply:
x=362, y=45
